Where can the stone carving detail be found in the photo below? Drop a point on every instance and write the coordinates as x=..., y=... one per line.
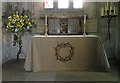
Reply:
x=54, y=26
x=73, y=26
x=63, y=25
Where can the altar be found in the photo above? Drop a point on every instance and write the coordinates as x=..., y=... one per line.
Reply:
x=66, y=52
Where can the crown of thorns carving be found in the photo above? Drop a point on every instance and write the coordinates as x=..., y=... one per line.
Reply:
x=68, y=56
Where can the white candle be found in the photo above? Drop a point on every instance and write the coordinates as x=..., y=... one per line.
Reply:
x=45, y=19
x=102, y=11
x=111, y=8
x=105, y=6
x=114, y=10
x=105, y=10
x=111, y=5
x=84, y=19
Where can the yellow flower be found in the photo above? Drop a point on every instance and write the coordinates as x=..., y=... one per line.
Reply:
x=20, y=26
x=8, y=23
x=22, y=23
x=29, y=23
x=6, y=29
x=21, y=16
x=9, y=17
x=18, y=22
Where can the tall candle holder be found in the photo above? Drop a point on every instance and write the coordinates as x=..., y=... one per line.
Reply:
x=109, y=11
x=46, y=28
x=84, y=30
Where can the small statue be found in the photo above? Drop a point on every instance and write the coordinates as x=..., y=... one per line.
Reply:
x=63, y=26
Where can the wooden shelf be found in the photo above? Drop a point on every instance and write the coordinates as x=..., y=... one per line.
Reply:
x=62, y=17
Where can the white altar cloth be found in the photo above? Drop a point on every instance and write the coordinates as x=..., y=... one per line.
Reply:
x=89, y=54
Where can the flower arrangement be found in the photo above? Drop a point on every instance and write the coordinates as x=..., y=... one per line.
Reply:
x=19, y=24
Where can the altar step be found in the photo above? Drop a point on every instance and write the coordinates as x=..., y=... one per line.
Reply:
x=13, y=72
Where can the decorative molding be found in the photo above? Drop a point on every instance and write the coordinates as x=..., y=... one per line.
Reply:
x=61, y=17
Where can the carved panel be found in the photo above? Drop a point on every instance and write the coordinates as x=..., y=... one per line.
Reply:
x=64, y=25
x=73, y=26
x=54, y=25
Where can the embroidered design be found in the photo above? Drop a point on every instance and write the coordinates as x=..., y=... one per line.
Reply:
x=66, y=57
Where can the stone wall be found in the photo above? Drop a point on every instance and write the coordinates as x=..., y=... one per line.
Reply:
x=7, y=47
x=118, y=51
x=0, y=34
x=0, y=42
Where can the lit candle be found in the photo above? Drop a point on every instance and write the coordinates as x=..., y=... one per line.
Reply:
x=45, y=19
x=84, y=19
x=114, y=11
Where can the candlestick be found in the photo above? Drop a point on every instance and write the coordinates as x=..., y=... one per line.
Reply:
x=84, y=25
x=46, y=30
x=45, y=19
x=84, y=19
x=84, y=33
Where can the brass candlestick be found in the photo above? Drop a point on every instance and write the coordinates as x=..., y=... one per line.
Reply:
x=46, y=30
x=84, y=33
x=85, y=19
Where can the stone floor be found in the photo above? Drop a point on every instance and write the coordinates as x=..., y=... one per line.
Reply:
x=14, y=71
